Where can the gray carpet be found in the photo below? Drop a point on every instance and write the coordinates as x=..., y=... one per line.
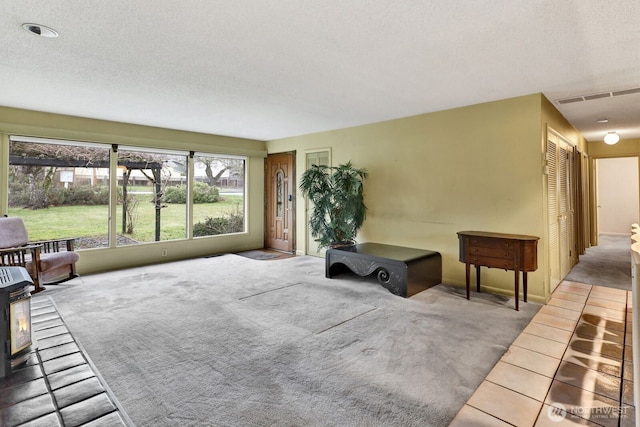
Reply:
x=607, y=264
x=230, y=341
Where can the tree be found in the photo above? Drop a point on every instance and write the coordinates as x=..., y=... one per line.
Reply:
x=213, y=163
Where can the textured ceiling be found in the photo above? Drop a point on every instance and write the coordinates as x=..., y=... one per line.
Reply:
x=277, y=68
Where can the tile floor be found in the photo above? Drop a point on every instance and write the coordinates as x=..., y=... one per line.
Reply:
x=570, y=366
x=57, y=386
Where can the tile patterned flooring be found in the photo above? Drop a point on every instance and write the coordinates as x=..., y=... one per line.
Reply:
x=570, y=366
x=57, y=386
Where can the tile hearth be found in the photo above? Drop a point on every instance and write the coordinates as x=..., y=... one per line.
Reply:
x=58, y=386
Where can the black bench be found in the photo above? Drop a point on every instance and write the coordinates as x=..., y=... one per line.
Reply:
x=403, y=271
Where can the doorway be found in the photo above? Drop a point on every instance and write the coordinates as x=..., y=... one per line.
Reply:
x=617, y=194
x=279, y=202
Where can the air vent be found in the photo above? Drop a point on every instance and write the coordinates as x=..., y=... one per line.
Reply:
x=626, y=92
x=597, y=96
x=5, y=276
x=581, y=98
x=569, y=100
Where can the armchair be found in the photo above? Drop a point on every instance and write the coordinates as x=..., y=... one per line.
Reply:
x=48, y=262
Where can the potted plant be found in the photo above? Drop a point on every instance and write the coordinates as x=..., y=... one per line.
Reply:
x=338, y=203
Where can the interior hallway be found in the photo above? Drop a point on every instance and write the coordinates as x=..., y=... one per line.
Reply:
x=608, y=264
x=572, y=365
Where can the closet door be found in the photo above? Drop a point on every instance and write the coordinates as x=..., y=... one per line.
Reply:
x=561, y=193
x=580, y=207
x=565, y=216
x=553, y=213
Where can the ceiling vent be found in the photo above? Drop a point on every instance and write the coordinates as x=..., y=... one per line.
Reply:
x=581, y=98
x=626, y=92
x=570, y=100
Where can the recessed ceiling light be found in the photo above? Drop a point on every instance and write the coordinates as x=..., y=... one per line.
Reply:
x=602, y=121
x=40, y=30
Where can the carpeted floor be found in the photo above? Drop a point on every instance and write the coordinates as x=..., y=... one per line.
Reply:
x=261, y=254
x=607, y=264
x=229, y=341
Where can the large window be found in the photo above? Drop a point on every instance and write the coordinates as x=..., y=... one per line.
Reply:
x=148, y=210
x=218, y=195
x=62, y=189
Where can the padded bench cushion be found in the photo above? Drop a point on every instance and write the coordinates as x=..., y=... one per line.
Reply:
x=54, y=260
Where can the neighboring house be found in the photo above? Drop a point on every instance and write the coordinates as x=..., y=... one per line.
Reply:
x=480, y=167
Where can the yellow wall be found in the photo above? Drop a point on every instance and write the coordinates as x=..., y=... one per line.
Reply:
x=624, y=148
x=471, y=168
x=36, y=124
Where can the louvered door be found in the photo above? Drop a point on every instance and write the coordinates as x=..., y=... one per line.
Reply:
x=561, y=188
x=553, y=214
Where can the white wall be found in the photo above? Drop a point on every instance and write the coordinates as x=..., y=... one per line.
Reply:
x=617, y=194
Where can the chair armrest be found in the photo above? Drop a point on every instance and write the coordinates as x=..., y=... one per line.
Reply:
x=40, y=242
x=19, y=256
x=24, y=248
x=54, y=245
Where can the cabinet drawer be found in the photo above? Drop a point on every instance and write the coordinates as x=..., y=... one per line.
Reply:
x=506, y=264
x=480, y=242
x=504, y=253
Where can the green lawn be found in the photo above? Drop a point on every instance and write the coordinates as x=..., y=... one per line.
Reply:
x=90, y=221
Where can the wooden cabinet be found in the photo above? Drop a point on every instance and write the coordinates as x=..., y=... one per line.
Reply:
x=515, y=252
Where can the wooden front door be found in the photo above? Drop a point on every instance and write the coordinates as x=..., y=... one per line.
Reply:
x=280, y=198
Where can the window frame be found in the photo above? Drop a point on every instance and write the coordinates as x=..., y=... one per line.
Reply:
x=113, y=219
x=245, y=189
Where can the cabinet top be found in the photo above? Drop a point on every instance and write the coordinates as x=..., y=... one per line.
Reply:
x=497, y=235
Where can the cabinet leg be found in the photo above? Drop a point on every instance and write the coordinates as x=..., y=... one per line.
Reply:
x=478, y=278
x=517, y=286
x=524, y=285
x=467, y=274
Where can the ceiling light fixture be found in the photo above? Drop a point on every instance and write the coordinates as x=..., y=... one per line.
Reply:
x=611, y=138
x=40, y=30
x=602, y=121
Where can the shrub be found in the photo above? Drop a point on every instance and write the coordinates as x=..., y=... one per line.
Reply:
x=18, y=196
x=85, y=195
x=232, y=223
x=81, y=195
x=176, y=194
x=202, y=193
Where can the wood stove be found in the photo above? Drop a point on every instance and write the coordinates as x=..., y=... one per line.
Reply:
x=15, y=320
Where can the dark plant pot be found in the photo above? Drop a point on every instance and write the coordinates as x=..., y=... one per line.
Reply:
x=344, y=246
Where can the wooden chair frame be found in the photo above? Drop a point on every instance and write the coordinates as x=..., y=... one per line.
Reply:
x=33, y=255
